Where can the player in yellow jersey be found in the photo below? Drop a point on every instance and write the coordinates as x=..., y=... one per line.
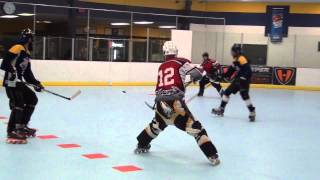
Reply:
x=240, y=83
x=17, y=67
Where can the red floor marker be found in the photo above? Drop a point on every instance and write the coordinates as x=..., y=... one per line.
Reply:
x=2, y=117
x=95, y=156
x=45, y=137
x=128, y=168
x=69, y=145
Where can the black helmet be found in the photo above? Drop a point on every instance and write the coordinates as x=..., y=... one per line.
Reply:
x=26, y=34
x=205, y=54
x=237, y=49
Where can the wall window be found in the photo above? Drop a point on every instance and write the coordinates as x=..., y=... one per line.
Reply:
x=109, y=36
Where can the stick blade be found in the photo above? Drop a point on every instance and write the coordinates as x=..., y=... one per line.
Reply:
x=75, y=95
x=148, y=105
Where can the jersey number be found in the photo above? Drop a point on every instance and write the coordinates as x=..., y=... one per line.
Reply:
x=166, y=77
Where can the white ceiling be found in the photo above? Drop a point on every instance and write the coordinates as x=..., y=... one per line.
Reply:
x=307, y=1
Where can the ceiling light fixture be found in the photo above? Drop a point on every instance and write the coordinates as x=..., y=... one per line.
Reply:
x=120, y=24
x=143, y=22
x=9, y=16
x=44, y=22
x=26, y=14
x=168, y=27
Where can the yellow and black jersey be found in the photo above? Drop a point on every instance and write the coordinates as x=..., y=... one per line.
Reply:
x=243, y=67
x=241, y=60
x=17, y=59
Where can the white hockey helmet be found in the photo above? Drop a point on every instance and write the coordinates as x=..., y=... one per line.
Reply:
x=169, y=48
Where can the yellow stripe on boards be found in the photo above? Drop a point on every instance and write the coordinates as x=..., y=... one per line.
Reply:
x=262, y=86
x=133, y=83
x=76, y=84
x=270, y=86
x=99, y=83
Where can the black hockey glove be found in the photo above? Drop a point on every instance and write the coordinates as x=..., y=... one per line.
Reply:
x=12, y=79
x=39, y=87
x=12, y=76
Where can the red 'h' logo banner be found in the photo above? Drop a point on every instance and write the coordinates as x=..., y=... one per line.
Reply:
x=284, y=75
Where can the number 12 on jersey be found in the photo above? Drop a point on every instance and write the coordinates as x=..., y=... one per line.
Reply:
x=166, y=77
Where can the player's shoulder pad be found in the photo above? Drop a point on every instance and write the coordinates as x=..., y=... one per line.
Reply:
x=242, y=60
x=212, y=60
x=183, y=60
x=16, y=49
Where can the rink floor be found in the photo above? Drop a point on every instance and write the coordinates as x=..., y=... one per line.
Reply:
x=282, y=145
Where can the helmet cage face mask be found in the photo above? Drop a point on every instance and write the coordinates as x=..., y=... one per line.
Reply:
x=236, y=50
x=26, y=36
x=169, y=48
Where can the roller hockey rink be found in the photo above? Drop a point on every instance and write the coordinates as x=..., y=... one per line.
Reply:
x=93, y=137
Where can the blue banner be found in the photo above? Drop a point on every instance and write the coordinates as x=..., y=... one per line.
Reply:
x=277, y=22
x=276, y=33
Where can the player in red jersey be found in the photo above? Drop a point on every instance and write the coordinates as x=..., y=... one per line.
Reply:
x=213, y=74
x=171, y=108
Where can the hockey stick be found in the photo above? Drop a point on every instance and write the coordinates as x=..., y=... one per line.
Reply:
x=56, y=94
x=194, y=96
x=149, y=106
x=53, y=93
x=76, y=94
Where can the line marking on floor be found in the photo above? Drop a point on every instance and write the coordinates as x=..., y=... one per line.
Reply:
x=69, y=146
x=46, y=137
x=127, y=168
x=3, y=117
x=95, y=156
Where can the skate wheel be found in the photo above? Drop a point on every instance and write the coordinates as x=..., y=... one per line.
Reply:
x=252, y=118
x=141, y=151
x=14, y=141
x=32, y=136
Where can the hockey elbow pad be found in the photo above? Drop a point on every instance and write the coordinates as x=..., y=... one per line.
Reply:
x=195, y=74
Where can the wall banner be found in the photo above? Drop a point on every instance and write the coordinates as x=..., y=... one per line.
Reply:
x=277, y=25
x=284, y=75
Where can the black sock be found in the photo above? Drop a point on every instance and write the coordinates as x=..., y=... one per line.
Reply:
x=223, y=104
x=209, y=149
x=11, y=124
x=251, y=108
x=28, y=111
x=16, y=119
